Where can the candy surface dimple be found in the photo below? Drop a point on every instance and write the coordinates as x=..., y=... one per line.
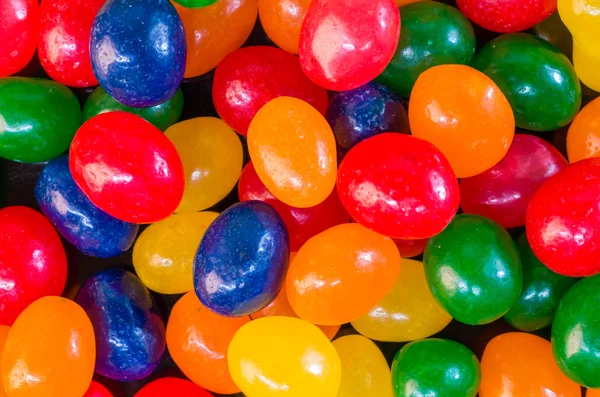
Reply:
x=583, y=138
x=167, y=387
x=138, y=51
x=507, y=16
x=19, y=31
x=282, y=20
x=391, y=171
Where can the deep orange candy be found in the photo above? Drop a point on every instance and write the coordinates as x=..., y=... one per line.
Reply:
x=281, y=20
x=583, y=138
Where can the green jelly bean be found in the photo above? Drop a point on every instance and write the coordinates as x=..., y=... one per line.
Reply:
x=473, y=269
x=431, y=34
x=542, y=291
x=162, y=116
x=195, y=3
x=435, y=368
x=538, y=80
x=38, y=119
x=576, y=333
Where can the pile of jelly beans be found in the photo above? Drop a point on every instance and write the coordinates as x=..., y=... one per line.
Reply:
x=294, y=198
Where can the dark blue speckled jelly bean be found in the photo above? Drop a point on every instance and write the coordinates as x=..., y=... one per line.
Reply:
x=88, y=228
x=130, y=334
x=365, y=111
x=138, y=51
x=242, y=261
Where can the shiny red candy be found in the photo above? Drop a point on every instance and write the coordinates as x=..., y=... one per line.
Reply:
x=19, y=25
x=97, y=390
x=127, y=167
x=563, y=220
x=507, y=16
x=64, y=41
x=169, y=387
x=302, y=223
x=250, y=77
x=345, y=44
x=503, y=192
x=411, y=248
x=398, y=185
x=33, y=263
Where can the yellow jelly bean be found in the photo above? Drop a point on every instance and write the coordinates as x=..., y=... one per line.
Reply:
x=408, y=312
x=163, y=254
x=283, y=356
x=365, y=373
x=212, y=158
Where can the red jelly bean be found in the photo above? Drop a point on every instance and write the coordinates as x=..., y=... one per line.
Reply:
x=302, y=223
x=168, y=387
x=345, y=44
x=33, y=263
x=250, y=77
x=97, y=390
x=411, y=248
x=503, y=192
x=507, y=16
x=19, y=24
x=563, y=220
x=127, y=167
x=399, y=186
x=64, y=42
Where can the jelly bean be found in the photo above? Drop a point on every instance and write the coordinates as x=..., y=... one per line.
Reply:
x=195, y=3
x=432, y=34
x=592, y=393
x=538, y=80
x=364, y=369
x=583, y=138
x=19, y=32
x=49, y=351
x=366, y=111
x=503, y=192
x=301, y=223
x=162, y=116
x=130, y=334
x=64, y=41
x=520, y=364
x=449, y=104
x=138, y=51
x=293, y=151
x=327, y=278
x=542, y=291
x=507, y=16
x=473, y=269
x=281, y=20
x=212, y=158
x=407, y=312
x=167, y=387
x=241, y=263
x=80, y=222
x=392, y=171
x=3, y=335
x=97, y=390
x=276, y=356
x=163, y=255
x=127, y=167
x=198, y=340
x=38, y=119
x=344, y=45
x=563, y=223
x=214, y=31
x=554, y=31
x=435, y=368
x=33, y=263
x=410, y=248
x=250, y=77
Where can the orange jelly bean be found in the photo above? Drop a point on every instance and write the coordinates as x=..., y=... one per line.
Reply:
x=340, y=274
x=462, y=112
x=215, y=31
x=592, y=393
x=281, y=20
x=198, y=340
x=50, y=351
x=517, y=364
x=583, y=138
x=3, y=334
x=292, y=148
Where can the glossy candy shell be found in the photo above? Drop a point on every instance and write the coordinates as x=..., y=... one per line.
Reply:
x=19, y=30
x=167, y=387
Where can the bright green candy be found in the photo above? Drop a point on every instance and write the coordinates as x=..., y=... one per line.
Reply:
x=576, y=333
x=162, y=116
x=542, y=291
x=538, y=80
x=195, y=3
x=431, y=34
x=435, y=368
x=473, y=269
x=38, y=119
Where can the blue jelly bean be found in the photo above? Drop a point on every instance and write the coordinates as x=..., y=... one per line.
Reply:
x=138, y=51
x=242, y=260
x=363, y=112
x=88, y=228
x=130, y=334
